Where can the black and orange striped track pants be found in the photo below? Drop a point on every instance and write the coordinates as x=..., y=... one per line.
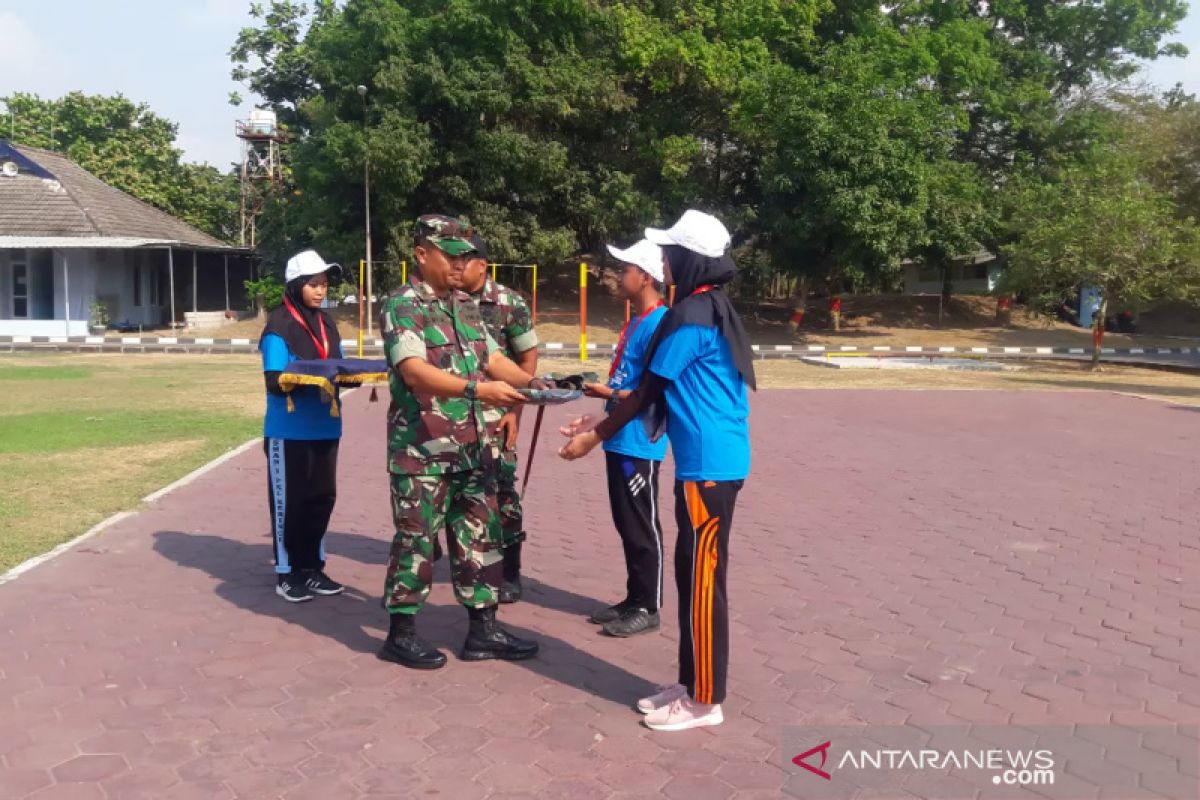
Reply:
x=704, y=511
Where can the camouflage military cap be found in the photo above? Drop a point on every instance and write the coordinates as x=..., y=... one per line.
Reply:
x=451, y=236
x=479, y=244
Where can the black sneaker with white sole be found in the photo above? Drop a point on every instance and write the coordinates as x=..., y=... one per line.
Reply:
x=320, y=583
x=293, y=589
x=610, y=613
x=632, y=622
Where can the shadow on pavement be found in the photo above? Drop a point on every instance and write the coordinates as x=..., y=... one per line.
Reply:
x=368, y=550
x=356, y=620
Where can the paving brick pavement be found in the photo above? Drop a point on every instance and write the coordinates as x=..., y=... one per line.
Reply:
x=897, y=557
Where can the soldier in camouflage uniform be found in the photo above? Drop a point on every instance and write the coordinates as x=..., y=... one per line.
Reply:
x=510, y=323
x=441, y=459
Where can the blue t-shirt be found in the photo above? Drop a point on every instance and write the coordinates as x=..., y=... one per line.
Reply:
x=632, y=440
x=310, y=419
x=707, y=407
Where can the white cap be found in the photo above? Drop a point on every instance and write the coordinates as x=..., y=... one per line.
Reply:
x=699, y=232
x=307, y=263
x=646, y=255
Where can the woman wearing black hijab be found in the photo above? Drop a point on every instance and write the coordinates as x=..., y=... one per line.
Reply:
x=700, y=363
x=300, y=435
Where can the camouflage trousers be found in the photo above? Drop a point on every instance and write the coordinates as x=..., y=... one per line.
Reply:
x=508, y=498
x=463, y=504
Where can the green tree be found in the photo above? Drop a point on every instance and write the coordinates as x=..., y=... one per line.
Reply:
x=837, y=137
x=1100, y=224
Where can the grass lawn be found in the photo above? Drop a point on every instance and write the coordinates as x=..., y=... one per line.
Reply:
x=85, y=436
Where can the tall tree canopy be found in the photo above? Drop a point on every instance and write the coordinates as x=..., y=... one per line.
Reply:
x=838, y=137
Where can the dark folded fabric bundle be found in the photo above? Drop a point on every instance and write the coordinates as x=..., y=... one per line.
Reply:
x=327, y=374
x=550, y=397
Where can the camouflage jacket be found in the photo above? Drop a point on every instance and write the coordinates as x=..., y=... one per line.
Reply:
x=431, y=435
x=510, y=323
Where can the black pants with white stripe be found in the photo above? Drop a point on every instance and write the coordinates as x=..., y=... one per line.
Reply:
x=302, y=489
x=633, y=495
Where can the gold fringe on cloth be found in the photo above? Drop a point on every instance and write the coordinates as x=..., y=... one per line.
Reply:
x=290, y=381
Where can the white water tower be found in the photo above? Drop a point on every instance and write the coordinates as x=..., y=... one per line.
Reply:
x=261, y=169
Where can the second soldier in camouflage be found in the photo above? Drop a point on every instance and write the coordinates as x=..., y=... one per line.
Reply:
x=441, y=459
x=510, y=323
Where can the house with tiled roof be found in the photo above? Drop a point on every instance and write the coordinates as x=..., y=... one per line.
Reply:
x=70, y=245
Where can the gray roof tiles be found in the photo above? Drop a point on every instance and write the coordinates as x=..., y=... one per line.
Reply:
x=75, y=203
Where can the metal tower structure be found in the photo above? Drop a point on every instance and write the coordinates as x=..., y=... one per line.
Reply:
x=261, y=170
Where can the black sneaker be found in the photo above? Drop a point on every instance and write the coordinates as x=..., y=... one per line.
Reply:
x=320, y=583
x=610, y=614
x=633, y=622
x=293, y=589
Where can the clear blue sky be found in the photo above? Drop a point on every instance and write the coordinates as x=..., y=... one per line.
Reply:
x=173, y=54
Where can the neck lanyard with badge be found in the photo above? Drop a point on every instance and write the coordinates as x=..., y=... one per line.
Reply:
x=627, y=334
x=322, y=344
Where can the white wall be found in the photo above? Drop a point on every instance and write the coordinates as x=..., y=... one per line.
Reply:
x=46, y=274
x=106, y=275
x=76, y=269
x=80, y=281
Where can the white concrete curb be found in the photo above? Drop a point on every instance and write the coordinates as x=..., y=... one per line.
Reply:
x=25, y=566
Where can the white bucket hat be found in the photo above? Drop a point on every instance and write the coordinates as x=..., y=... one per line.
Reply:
x=696, y=231
x=307, y=263
x=645, y=255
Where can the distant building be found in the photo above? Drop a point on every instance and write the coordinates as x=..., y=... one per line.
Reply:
x=974, y=274
x=67, y=239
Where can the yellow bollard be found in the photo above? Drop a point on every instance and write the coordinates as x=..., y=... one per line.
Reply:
x=404, y=272
x=494, y=271
x=361, y=265
x=583, y=312
x=535, y=294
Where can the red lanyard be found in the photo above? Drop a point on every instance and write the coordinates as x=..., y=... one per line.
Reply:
x=627, y=334
x=323, y=345
x=708, y=287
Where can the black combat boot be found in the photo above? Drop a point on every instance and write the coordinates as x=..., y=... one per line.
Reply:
x=487, y=640
x=510, y=589
x=404, y=647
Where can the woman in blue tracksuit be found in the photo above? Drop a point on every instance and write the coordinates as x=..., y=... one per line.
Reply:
x=301, y=442
x=700, y=364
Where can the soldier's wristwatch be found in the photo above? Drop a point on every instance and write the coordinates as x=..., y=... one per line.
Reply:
x=471, y=392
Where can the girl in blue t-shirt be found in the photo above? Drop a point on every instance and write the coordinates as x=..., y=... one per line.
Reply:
x=300, y=435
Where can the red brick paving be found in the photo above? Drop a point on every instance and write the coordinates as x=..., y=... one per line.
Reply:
x=920, y=557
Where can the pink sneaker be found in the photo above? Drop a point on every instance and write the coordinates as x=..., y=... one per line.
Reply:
x=684, y=714
x=666, y=695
